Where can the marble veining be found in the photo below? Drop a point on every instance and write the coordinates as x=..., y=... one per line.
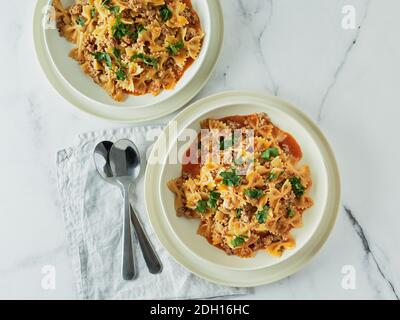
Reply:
x=345, y=80
x=367, y=248
x=343, y=62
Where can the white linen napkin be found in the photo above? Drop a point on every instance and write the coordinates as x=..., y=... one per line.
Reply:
x=93, y=221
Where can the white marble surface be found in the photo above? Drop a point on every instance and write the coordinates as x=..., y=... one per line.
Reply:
x=346, y=80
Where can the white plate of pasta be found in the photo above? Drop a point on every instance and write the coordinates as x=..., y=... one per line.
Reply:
x=260, y=215
x=128, y=60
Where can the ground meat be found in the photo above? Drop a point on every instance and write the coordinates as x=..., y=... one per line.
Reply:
x=267, y=240
x=186, y=212
x=60, y=26
x=126, y=41
x=101, y=46
x=75, y=9
x=126, y=14
x=166, y=31
x=192, y=18
x=191, y=32
x=111, y=42
x=170, y=63
x=155, y=86
x=137, y=6
x=90, y=43
x=95, y=74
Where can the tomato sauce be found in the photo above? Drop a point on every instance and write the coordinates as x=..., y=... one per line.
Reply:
x=290, y=144
x=191, y=163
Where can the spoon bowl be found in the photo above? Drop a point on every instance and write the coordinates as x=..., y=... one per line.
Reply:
x=124, y=159
x=101, y=157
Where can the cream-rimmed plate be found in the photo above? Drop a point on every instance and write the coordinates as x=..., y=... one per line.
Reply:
x=179, y=236
x=68, y=79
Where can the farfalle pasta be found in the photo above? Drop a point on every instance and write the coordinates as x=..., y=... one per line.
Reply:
x=252, y=202
x=132, y=47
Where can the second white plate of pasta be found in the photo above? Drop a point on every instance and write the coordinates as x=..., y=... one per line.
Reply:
x=251, y=228
x=128, y=61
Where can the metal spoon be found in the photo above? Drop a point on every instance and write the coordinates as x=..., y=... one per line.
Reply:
x=101, y=156
x=102, y=161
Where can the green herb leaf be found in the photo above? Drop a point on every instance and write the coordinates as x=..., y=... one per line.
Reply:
x=115, y=9
x=140, y=28
x=227, y=143
x=270, y=152
x=117, y=53
x=81, y=21
x=262, y=215
x=238, y=241
x=174, y=48
x=290, y=212
x=165, y=13
x=297, y=187
x=93, y=12
x=201, y=206
x=150, y=61
x=212, y=201
x=120, y=29
x=230, y=178
x=272, y=176
x=253, y=193
x=107, y=59
x=238, y=213
x=105, y=3
x=121, y=75
x=103, y=56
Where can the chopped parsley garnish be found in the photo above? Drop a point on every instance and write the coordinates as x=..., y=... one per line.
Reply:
x=272, y=176
x=150, y=61
x=238, y=241
x=227, y=143
x=253, y=193
x=165, y=13
x=81, y=21
x=238, y=213
x=93, y=12
x=230, y=178
x=115, y=9
x=103, y=56
x=270, y=152
x=212, y=201
x=121, y=75
x=262, y=215
x=174, y=48
x=201, y=206
x=105, y=3
x=297, y=187
x=120, y=29
x=139, y=29
x=290, y=212
x=117, y=53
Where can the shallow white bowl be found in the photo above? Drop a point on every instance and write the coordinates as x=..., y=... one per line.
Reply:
x=68, y=78
x=179, y=234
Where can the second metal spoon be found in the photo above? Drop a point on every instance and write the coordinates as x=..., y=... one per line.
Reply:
x=102, y=161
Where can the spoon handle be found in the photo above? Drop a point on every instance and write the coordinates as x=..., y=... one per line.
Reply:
x=150, y=256
x=128, y=264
